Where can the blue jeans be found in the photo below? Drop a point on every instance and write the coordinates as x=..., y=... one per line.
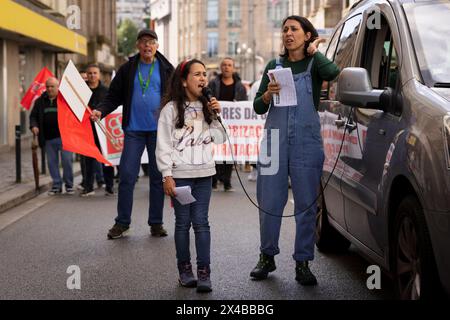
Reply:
x=52, y=149
x=130, y=164
x=195, y=214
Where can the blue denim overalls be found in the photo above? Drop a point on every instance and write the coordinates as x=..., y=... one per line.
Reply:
x=301, y=157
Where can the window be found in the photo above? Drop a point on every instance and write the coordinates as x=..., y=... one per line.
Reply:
x=333, y=44
x=234, y=13
x=212, y=20
x=379, y=56
x=213, y=43
x=277, y=10
x=344, y=50
x=233, y=42
x=428, y=21
x=347, y=41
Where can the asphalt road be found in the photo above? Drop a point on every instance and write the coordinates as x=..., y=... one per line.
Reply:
x=41, y=239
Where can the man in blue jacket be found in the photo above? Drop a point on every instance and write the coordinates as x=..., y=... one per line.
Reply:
x=138, y=87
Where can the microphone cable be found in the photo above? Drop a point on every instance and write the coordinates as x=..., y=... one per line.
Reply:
x=319, y=194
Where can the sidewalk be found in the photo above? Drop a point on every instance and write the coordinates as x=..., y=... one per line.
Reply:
x=12, y=193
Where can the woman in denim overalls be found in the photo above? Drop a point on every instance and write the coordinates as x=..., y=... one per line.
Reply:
x=292, y=147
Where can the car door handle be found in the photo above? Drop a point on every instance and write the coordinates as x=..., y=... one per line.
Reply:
x=350, y=127
x=339, y=123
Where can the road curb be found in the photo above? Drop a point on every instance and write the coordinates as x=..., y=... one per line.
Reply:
x=24, y=192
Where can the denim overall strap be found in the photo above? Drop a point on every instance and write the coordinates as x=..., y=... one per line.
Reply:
x=279, y=63
x=301, y=158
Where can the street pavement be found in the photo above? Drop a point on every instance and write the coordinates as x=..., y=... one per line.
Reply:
x=13, y=193
x=46, y=235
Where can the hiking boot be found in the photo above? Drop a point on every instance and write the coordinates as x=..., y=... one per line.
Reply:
x=204, y=279
x=265, y=265
x=117, y=231
x=157, y=230
x=187, y=278
x=304, y=275
x=54, y=191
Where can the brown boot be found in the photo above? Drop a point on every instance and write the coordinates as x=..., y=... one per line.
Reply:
x=157, y=230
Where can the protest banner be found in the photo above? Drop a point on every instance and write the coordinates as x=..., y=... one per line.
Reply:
x=246, y=130
x=113, y=125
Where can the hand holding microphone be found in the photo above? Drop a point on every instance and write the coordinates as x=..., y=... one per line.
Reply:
x=213, y=104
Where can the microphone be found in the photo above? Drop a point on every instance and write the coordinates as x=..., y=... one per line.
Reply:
x=207, y=93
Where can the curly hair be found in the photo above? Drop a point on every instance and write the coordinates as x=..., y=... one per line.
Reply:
x=176, y=92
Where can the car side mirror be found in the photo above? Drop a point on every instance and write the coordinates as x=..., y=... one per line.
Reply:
x=355, y=89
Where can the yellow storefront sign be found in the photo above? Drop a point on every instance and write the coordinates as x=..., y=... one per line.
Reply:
x=21, y=20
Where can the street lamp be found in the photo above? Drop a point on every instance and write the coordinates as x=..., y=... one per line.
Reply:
x=241, y=51
x=245, y=54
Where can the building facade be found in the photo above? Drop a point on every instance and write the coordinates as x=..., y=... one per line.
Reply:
x=246, y=30
x=99, y=26
x=134, y=10
x=165, y=19
x=324, y=14
x=25, y=48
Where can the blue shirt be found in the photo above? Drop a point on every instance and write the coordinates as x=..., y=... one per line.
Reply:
x=145, y=108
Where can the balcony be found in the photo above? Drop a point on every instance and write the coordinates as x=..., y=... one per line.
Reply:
x=212, y=23
x=234, y=23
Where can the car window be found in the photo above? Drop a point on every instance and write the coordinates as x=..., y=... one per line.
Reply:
x=430, y=27
x=345, y=47
x=333, y=44
x=379, y=56
x=347, y=42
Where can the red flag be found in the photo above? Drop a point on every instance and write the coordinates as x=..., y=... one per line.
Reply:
x=77, y=136
x=36, y=88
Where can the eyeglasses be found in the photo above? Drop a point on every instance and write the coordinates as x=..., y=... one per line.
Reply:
x=148, y=41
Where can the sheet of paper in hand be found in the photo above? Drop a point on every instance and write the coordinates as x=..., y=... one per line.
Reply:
x=184, y=195
x=287, y=96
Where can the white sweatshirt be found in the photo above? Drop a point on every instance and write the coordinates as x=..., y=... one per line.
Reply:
x=187, y=152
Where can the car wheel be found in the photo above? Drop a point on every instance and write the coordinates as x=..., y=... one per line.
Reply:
x=414, y=268
x=328, y=239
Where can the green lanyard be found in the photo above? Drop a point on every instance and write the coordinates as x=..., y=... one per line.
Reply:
x=141, y=80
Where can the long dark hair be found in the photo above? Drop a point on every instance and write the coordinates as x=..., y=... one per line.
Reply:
x=176, y=92
x=307, y=26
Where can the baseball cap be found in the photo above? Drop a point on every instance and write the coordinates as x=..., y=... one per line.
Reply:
x=147, y=32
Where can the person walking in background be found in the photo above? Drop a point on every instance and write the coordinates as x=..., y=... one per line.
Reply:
x=91, y=165
x=300, y=148
x=44, y=124
x=138, y=86
x=227, y=86
x=187, y=116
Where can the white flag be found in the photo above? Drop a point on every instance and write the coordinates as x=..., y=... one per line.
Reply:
x=75, y=90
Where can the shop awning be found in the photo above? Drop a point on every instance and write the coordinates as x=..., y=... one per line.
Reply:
x=21, y=20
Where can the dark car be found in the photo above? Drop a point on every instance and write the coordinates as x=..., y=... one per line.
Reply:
x=386, y=133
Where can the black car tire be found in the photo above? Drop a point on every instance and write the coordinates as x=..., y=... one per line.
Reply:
x=414, y=267
x=328, y=239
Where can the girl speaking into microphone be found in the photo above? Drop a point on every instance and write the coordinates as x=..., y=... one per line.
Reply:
x=187, y=128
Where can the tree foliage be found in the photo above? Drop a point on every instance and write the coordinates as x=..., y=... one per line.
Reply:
x=126, y=35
